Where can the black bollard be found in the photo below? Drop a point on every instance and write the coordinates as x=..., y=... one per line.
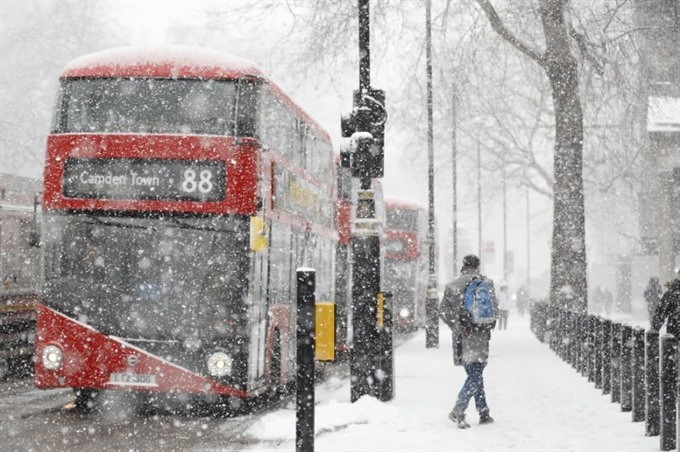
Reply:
x=566, y=337
x=638, y=367
x=551, y=326
x=574, y=343
x=592, y=344
x=585, y=347
x=571, y=342
x=384, y=375
x=668, y=380
x=432, y=316
x=581, y=344
x=599, y=326
x=555, y=332
x=652, y=384
x=304, y=414
x=606, y=356
x=537, y=316
x=563, y=348
x=541, y=310
x=616, y=362
x=626, y=377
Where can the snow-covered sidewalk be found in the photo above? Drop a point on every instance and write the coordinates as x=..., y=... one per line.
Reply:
x=537, y=401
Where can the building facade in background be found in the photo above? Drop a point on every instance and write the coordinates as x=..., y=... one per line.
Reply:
x=658, y=253
x=19, y=270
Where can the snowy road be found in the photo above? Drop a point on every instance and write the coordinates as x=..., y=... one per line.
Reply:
x=36, y=420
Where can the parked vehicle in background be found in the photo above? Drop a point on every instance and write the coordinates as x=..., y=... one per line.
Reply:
x=19, y=272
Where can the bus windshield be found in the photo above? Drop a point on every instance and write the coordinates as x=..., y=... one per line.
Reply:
x=147, y=105
x=147, y=278
x=400, y=277
x=402, y=219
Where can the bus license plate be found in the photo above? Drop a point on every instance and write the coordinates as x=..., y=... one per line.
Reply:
x=130, y=379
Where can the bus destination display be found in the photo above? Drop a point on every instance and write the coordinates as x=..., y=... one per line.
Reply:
x=138, y=179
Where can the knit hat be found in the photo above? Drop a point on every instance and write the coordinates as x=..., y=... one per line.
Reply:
x=470, y=261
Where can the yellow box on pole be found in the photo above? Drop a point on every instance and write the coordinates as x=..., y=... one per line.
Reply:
x=325, y=332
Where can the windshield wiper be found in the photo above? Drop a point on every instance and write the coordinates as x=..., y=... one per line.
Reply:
x=99, y=221
x=184, y=225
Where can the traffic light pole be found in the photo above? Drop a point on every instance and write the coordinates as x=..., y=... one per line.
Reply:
x=371, y=352
x=432, y=300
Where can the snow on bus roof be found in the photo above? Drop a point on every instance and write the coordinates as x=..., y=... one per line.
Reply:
x=393, y=203
x=160, y=61
x=173, y=61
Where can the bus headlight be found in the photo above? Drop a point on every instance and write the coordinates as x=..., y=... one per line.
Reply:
x=404, y=313
x=220, y=364
x=52, y=356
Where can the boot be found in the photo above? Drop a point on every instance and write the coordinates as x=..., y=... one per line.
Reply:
x=459, y=420
x=485, y=418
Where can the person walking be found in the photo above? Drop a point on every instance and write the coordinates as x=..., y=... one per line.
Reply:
x=607, y=299
x=668, y=309
x=652, y=296
x=470, y=339
x=522, y=300
x=503, y=306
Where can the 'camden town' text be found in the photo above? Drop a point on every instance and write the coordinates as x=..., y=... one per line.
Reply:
x=133, y=179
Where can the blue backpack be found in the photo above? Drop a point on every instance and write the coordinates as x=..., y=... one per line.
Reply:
x=478, y=302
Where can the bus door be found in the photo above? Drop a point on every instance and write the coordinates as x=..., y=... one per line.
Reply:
x=257, y=311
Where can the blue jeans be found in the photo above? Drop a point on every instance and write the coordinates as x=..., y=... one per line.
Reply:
x=474, y=386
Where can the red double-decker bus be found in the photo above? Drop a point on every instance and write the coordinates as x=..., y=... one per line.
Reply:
x=182, y=190
x=406, y=265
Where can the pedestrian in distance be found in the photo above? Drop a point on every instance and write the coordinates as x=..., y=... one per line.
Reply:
x=652, y=296
x=469, y=308
x=668, y=309
x=522, y=300
x=503, y=306
x=607, y=299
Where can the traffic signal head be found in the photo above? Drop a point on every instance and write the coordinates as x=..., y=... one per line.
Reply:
x=366, y=126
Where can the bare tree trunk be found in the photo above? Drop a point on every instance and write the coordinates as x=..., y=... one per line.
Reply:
x=568, y=282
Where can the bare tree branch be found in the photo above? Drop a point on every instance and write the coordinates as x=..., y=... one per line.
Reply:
x=505, y=33
x=582, y=44
x=614, y=13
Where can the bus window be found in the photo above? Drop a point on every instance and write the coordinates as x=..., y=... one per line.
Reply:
x=161, y=106
x=246, y=123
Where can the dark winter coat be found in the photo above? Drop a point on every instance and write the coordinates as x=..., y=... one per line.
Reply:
x=474, y=340
x=669, y=309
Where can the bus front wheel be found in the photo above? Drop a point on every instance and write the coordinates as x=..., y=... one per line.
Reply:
x=86, y=399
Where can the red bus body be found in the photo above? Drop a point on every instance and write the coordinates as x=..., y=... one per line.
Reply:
x=133, y=197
